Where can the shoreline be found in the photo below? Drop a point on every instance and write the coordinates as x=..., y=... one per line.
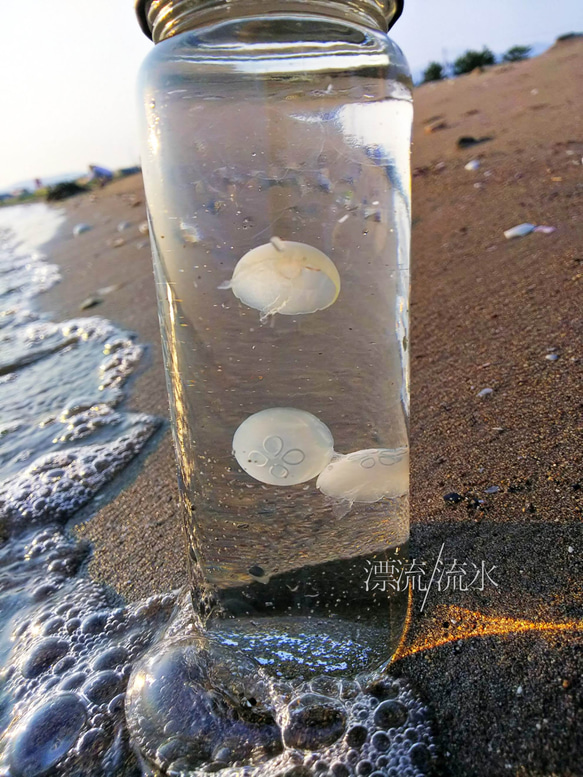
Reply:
x=498, y=667
x=123, y=557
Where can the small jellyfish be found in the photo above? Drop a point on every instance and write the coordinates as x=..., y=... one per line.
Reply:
x=283, y=446
x=366, y=476
x=285, y=277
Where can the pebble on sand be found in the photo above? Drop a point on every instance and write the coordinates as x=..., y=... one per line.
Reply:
x=90, y=302
x=467, y=141
x=78, y=229
x=436, y=125
x=473, y=164
x=453, y=498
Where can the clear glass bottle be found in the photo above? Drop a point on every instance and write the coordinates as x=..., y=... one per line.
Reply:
x=276, y=162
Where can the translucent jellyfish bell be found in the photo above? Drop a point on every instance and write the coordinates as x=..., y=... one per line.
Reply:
x=283, y=446
x=285, y=277
x=366, y=476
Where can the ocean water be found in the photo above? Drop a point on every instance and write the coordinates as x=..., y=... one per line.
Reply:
x=88, y=684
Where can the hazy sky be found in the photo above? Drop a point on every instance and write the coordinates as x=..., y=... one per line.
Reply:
x=69, y=69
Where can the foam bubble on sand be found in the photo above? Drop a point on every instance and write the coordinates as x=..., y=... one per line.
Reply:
x=58, y=484
x=194, y=706
x=59, y=385
x=72, y=652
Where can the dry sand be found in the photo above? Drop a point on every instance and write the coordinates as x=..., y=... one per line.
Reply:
x=501, y=667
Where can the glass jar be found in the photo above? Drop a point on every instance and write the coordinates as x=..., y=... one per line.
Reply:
x=275, y=142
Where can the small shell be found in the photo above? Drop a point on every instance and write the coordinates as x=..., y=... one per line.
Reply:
x=519, y=231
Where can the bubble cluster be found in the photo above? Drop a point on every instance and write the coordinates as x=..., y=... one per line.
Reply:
x=73, y=648
x=48, y=413
x=58, y=484
x=61, y=382
x=192, y=706
x=66, y=647
x=83, y=419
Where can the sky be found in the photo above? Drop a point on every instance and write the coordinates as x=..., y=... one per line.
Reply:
x=69, y=67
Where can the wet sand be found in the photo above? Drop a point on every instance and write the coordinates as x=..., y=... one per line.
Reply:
x=500, y=667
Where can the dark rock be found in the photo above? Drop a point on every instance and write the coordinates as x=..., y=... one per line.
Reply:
x=453, y=498
x=467, y=141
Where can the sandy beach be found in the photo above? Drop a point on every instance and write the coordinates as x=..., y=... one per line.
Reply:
x=500, y=667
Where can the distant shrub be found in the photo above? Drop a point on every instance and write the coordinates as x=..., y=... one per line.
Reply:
x=569, y=36
x=473, y=59
x=517, y=54
x=433, y=72
x=63, y=190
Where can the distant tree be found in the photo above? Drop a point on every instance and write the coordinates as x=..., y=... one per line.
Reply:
x=569, y=36
x=473, y=59
x=517, y=54
x=433, y=72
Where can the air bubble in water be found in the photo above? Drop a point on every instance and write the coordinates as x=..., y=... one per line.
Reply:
x=194, y=700
x=45, y=735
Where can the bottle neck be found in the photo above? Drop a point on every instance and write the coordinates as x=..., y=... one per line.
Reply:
x=161, y=19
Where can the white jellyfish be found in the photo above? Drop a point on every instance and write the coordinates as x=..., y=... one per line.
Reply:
x=285, y=277
x=283, y=446
x=366, y=476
